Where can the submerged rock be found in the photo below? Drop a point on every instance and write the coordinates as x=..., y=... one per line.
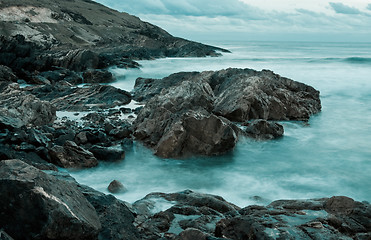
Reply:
x=116, y=187
x=262, y=129
x=35, y=205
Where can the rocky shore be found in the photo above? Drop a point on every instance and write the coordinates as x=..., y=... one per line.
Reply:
x=47, y=50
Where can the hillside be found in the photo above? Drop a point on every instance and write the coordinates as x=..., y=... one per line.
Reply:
x=54, y=29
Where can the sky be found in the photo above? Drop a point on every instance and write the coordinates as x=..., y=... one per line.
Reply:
x=263, y=20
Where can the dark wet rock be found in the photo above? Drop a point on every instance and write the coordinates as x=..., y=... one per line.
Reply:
x=160, y=213
x=121, y=132
x=115, y=217
x=7, y=75
x=171, y=122
x=61, y=74
x=35, y=205
x=33, y=158
x=111, y=154
x=333, y=218
x=262, y=129
x=79, y=60
x=19, y=109
x=94, y=117
x=5, y=236
x=64, y=135
x=93, y=97
x=192, y=234
x=116, y=187
x=72, y=156
x=97, y=76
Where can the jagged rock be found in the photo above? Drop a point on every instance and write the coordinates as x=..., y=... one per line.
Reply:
x=79, y=60
x=97, y=76
x=116, y=218
x=35, y=205
x=192, y=234
x=178, y=122
x=244, y=94
x=160, y=213
x=19, y=109
x=334, y=218
x=7, y=75
x=262, y=129
x=83, y=99
x=116, y=187
x=111, y=154
x=72, y=156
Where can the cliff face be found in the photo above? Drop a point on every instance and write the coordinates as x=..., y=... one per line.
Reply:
x=63, y=25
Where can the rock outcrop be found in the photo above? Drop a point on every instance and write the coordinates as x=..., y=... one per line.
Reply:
x=178, y=122
x=328, y=218
x=18, y=108
x=190, y=113
x=94, y=97
x=34, y=205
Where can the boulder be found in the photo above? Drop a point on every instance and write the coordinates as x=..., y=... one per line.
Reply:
x=115, y=217
x=178, y=122
x=192, y=234
x=72, y=156
x=327, y=218
x=35, y=205
x=20, y=109
x=264, y=130
x=111, y=154
x=116, y=187
x=97, y=76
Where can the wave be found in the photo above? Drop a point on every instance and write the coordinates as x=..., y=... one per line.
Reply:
x=352, y=60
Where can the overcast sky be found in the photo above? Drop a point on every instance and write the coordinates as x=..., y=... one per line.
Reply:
x=308, y=20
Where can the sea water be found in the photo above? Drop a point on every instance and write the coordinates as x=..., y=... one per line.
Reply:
x=330, y=155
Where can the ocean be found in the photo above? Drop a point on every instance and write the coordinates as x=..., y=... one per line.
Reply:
x=330, y=155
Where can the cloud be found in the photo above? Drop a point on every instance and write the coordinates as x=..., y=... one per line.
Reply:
x=369, y=6
x=344, y=9
x=206, y=8
x=235, y=19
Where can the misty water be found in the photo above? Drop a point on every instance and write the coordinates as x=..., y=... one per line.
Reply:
x=329, y=155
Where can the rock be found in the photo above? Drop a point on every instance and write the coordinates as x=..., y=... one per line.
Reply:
x=243, y=94
x=62, y=74
x=116, y=218
x=146, y=88
x=35, y=205
x=121, y=132
x=264, y=130
x=94, y=97
x=110, y=154
x=171, y=123
x=7, y=75
x=97, y=76
x=72, y=156
x=116, y=187
x=79, y=60
x=192, y=234
x=19, y=109
x=334, y=218
x=4, y=236
x=160, y=213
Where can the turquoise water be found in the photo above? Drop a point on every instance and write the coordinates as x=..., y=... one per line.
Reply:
x=329, y=156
